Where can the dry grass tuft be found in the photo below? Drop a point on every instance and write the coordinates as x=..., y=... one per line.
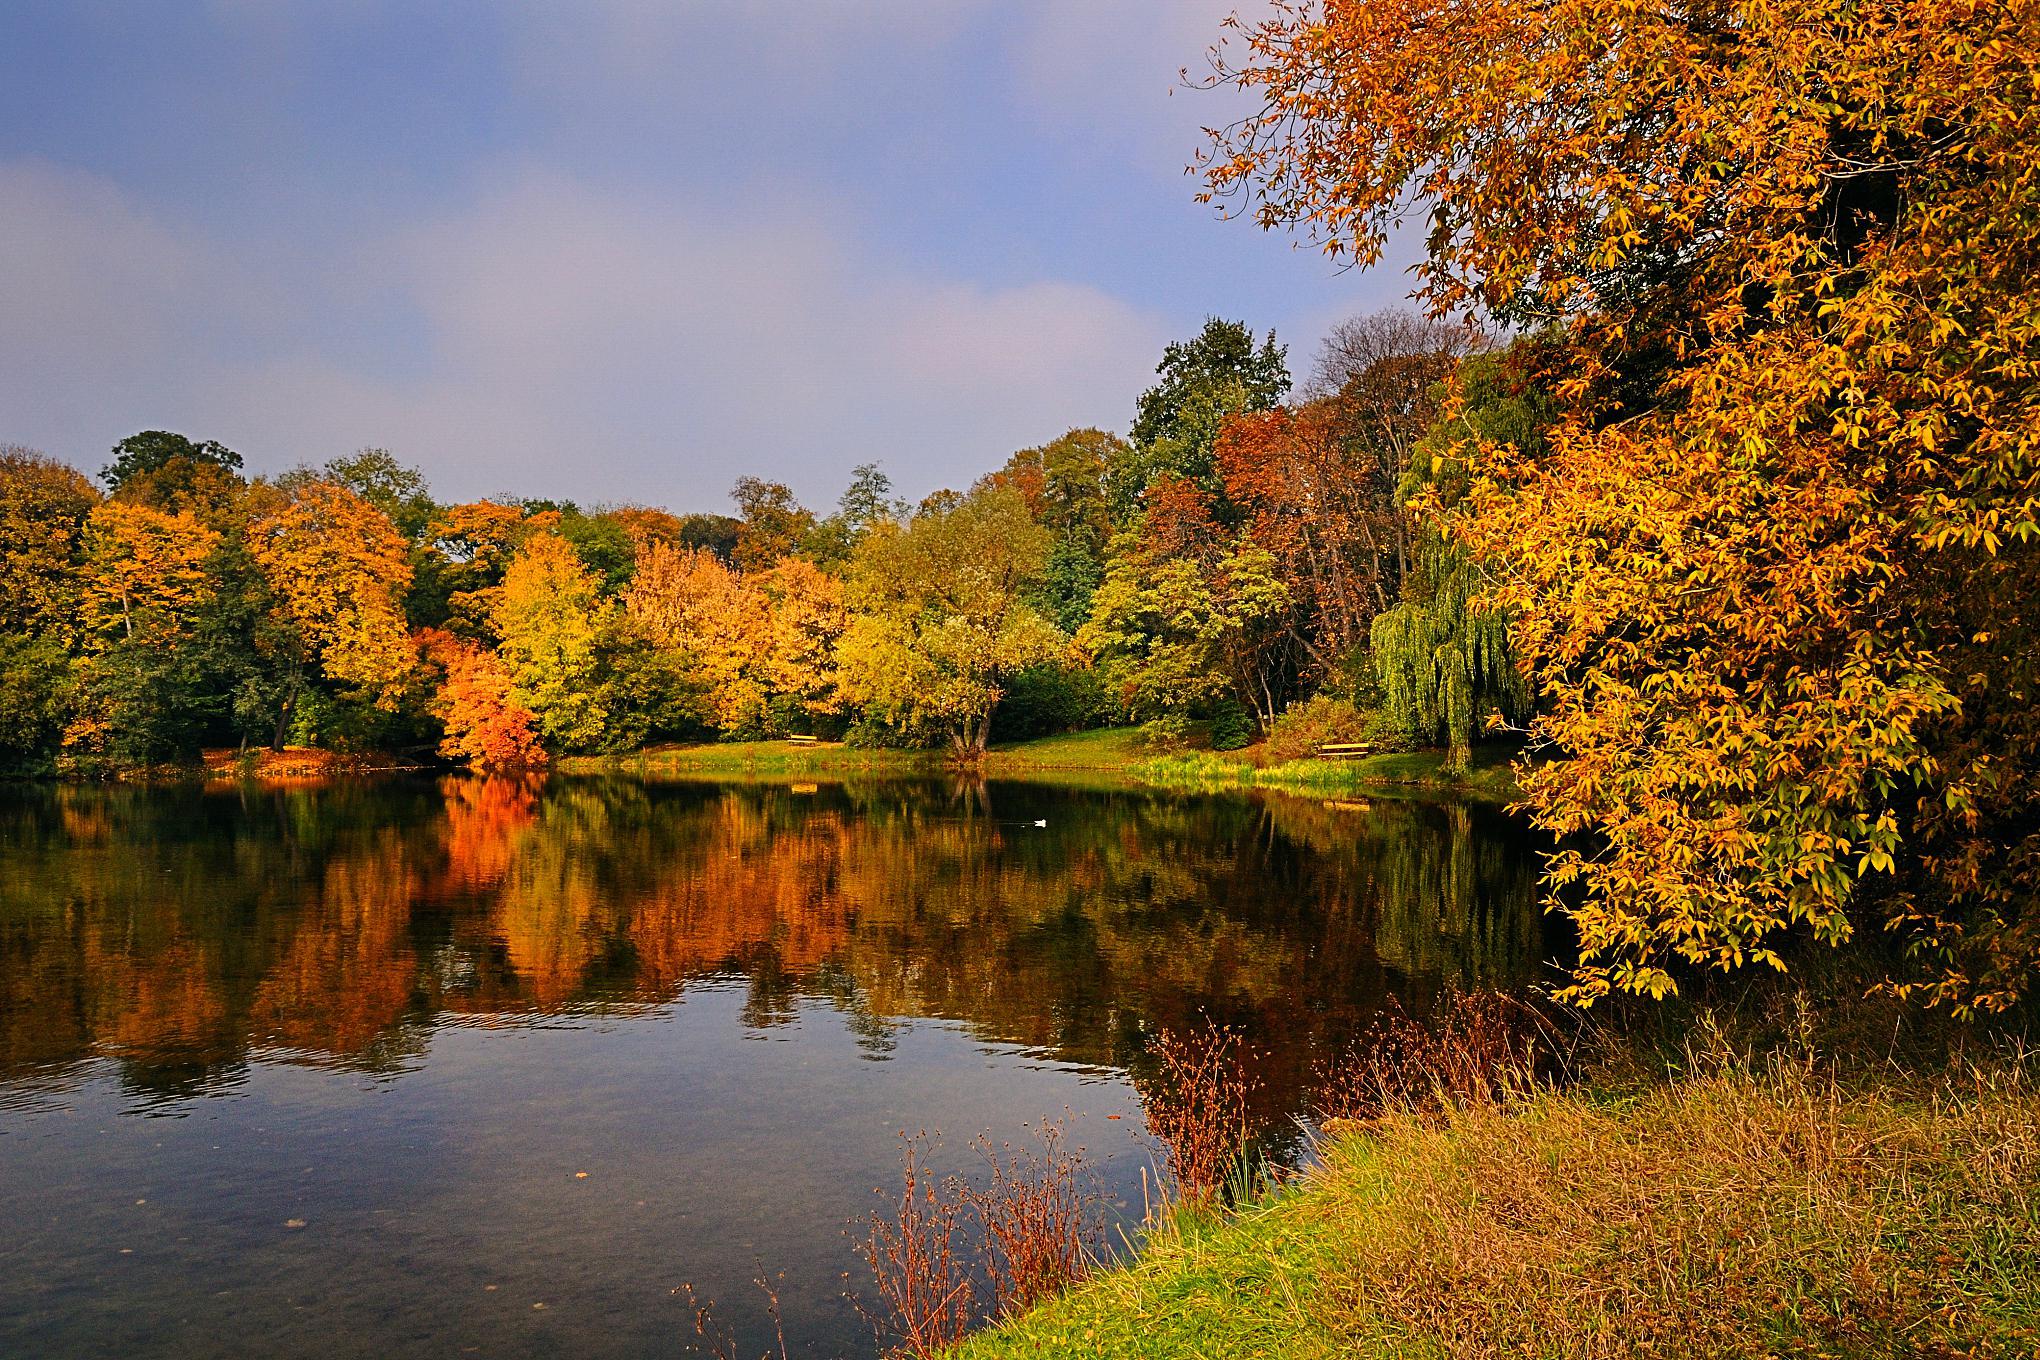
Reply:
x=1479, y=1048
x=1735, y=1213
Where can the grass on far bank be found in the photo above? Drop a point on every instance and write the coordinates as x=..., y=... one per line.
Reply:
x=1489, y=775
x=1110, y=751
x=1741, y=1208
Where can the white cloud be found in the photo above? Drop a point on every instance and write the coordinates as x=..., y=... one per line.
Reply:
x=575, y=342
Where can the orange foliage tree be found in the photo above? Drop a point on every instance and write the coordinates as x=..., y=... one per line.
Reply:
x=1310, y=500
x=1775, y=578
x=484, y=724
x=686, y=602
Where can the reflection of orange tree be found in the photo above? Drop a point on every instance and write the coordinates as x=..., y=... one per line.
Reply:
x=349, y=970
x=328, y=919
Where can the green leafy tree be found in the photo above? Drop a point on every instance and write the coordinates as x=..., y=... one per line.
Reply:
x=152, y=451
x=867, y=502
x=400, y=492
x=35, y=697
x=1178, y=633
x=1219, y=373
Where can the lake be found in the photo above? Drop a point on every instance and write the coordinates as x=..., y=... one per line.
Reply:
x=423, y=1067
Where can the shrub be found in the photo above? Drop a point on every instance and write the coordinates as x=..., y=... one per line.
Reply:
x=1231, y=726
x=1044, y=700
x=1305, y=726
x=1196, y=1103
x=1170, y=732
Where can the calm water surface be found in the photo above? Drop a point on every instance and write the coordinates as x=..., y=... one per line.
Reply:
x=319, y=1071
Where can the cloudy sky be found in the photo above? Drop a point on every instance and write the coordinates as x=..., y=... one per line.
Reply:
x=615, y=250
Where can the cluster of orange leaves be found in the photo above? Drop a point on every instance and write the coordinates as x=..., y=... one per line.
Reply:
x=484, y=724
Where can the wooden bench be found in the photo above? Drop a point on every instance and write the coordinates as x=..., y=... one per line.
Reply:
x=801, y=741
x=1343, y=750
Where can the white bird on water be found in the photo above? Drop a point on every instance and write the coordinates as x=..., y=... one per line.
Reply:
x=1041, y=821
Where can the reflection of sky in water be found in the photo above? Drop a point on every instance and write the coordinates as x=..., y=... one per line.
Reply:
x=406, y=1016
x=706, y=1157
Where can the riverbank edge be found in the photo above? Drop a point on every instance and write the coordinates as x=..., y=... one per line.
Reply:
x=1745, y=1203
x=1111, y=753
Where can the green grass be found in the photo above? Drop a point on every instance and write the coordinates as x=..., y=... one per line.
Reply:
x=1742, y=1209
x=1488, y=778
x=1114, y=756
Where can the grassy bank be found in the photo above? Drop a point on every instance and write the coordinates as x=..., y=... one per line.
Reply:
x=1112, y=754
x=1735, y=1210
x=1489, y=777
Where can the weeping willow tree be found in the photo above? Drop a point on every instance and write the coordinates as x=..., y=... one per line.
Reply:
x=1442, y=658
x=1444, y=661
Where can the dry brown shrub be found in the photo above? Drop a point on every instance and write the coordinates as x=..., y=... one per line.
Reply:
x=1478, y=1048
x=1038, y=1214
x=1196, y=1104
x=949, y=1253
x=917, y=1253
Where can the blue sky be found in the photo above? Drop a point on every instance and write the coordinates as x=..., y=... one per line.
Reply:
x=615, y=250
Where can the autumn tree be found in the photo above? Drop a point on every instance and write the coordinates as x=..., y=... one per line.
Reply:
x=1773, y=578
x=1202, y=381
x=717, y=627
x=1067, y=486
x=469, y=548
x=645, y=525
x=144, y=585
x=43, y=505
x=1307, y=493
x=808, y=617
x=155, y=451
x=399, y=492
x=550, y=617
x=773, y=524
x=484, y=724
x=1189, y=613
x=940, y=621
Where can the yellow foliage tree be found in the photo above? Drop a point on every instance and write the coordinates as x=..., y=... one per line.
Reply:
x=1776, y=579
x=687, y=602
x=338, y=569
x=550, y=616
x=43, y=505
x=940, y=621
x=144, y=585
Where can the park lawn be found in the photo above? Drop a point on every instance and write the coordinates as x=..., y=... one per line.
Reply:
x=1490, y=776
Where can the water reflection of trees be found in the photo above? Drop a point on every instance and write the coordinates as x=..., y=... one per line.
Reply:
x=177, y=932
